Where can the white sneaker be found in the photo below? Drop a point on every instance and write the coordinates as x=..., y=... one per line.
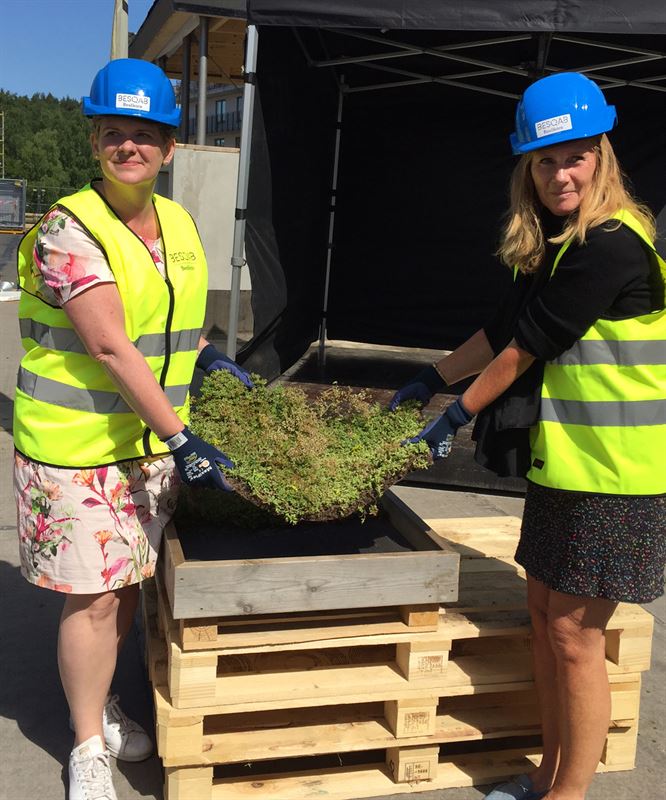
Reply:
x=90, y=773
x=125, y=739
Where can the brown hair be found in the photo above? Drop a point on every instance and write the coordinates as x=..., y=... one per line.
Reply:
x=523, y=244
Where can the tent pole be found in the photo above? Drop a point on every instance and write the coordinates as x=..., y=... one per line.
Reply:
x=238, y=249
x=202, y=79
x=185, y=90
x=331, y=226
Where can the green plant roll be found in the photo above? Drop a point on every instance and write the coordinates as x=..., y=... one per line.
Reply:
x=303, y=460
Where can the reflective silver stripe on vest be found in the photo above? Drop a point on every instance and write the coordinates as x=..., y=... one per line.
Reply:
x=603, y=413
x=90, y=400
x=67, y=340
x=152, y=344
x=624, y=353
x=51, y=338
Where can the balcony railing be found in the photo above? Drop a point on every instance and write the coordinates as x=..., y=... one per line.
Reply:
x=220, y=123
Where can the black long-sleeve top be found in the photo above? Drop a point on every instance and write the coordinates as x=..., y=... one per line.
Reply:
x=610, y=276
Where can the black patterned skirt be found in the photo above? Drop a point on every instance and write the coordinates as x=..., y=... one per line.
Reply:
x=595, y=545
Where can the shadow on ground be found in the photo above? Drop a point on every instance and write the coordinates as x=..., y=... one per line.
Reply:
x=31, y=692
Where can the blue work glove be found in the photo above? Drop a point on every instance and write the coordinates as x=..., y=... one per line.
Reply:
x=440, y=433
x=210, y=359
x=424, y=385
x=198, y=463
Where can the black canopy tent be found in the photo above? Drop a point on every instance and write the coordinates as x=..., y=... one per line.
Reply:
x=405, y=109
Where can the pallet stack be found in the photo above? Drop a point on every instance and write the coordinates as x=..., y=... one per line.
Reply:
x=370, y=702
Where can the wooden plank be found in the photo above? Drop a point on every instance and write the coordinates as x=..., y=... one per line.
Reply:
x=246, y=587
x=409, y=524
x=171, y=561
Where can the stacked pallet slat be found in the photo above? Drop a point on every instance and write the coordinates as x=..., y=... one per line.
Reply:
x=393, y=700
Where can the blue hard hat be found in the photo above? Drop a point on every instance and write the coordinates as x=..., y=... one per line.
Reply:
x=558, y=108
x=130, y=87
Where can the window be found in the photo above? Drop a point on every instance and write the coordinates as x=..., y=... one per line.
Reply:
x=239, y=103
x=220, y=108
x=219, y=143
x=237, y=141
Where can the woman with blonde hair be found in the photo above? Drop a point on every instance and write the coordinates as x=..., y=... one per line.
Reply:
x=571, y=394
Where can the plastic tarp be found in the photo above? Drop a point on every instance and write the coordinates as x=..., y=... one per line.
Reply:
x=600, y=16
x=423, y=167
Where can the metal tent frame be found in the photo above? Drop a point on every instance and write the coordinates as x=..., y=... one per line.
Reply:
x=464, y=80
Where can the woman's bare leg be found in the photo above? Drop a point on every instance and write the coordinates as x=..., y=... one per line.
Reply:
x=92, y=628
x=576, y=628
x=545, y=681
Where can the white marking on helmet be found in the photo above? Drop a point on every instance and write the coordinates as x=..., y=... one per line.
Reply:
x=553, y=125
x=133, y=102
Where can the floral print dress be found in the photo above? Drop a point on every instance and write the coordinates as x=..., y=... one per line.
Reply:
x=88, y=531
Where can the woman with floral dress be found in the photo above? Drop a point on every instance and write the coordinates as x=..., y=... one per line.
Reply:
x=113, y=283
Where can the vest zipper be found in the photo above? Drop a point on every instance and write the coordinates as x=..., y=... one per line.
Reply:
x=167, y=335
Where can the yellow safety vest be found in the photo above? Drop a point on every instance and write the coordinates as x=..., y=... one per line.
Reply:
x=602, y=421
x=67, y=410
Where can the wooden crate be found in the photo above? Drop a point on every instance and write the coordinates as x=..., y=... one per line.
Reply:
x=424, y=574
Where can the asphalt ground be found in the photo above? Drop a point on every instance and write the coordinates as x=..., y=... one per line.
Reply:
x=35, y=740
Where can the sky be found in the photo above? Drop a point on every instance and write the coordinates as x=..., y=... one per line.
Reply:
x=57, y=46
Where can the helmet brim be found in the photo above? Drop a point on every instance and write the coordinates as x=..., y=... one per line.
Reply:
x=92, y=110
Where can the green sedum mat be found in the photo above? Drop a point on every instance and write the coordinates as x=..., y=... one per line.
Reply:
x=298, y=459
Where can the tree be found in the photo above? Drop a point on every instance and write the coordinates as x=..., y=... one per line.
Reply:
x=46, y=142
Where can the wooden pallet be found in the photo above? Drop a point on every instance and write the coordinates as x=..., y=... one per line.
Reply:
x=467, y=653
x=402, y=703
x=206, y=736
x=403, y=770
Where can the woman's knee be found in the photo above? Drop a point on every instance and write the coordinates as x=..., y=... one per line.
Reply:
x=572, y=643
x=98, y=608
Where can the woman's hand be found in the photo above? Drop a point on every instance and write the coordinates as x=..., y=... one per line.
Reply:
x=441, y=432
x=210, y=360
x=423, y=386
x=198, y=463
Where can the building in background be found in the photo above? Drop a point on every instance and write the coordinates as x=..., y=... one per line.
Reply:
x=224, y=114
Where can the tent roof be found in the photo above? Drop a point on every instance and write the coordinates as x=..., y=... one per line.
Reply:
x=616, y=42
x=591, y=16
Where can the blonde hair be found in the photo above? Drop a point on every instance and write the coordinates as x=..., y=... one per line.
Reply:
x=523, y=244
